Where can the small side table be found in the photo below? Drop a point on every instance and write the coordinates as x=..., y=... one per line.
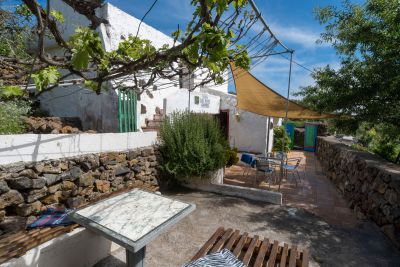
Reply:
x=132, y=220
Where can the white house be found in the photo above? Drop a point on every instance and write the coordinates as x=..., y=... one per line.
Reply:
x=109, y=111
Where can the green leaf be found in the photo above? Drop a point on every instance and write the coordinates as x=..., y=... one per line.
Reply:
x=46, y=77
x=24, y=11
x=80, y=59
x=57, y=15
x=86, y=47
x=91, y=85
x=10, y=91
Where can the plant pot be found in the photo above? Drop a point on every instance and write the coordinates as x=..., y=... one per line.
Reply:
x=212, y=177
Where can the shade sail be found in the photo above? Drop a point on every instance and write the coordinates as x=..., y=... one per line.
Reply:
x=254, y=96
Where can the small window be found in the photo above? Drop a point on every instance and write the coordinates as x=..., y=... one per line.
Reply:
x=196, y=100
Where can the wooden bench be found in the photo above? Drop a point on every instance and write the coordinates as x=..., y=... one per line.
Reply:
x=15, y=245
x=254, y=251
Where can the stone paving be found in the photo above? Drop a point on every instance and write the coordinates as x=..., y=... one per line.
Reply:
x=330, y=245
x=315, y=193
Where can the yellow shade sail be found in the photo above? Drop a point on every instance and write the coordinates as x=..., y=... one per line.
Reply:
x=254, y=96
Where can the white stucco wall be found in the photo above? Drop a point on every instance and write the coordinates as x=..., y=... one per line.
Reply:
x=250, y=132
x=180, y=101
x=121, y=25
x=80, y=248
x=37, y=147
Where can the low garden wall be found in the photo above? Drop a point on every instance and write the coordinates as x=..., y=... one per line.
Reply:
x=28, y=188
x=370, y=183
x=37, y=147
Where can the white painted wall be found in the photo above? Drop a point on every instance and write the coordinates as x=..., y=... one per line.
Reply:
x=121, y=25
x=250, y=132
x=180, y=101
x=37, y=147
x=80, y=248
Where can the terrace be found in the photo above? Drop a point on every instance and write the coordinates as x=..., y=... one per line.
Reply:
x=362, y=244
x=315, y=194
x=314, y=215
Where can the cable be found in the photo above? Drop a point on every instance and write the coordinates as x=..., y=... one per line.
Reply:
x=148, y=11
x=298, y=64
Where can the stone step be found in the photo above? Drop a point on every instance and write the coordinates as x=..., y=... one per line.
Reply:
x=150, y=129
x=154, y=123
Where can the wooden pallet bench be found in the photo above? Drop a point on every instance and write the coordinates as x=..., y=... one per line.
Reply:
x=15, y=245
x=254, y=251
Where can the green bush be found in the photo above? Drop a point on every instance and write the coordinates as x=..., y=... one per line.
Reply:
x=231, y=156
x=380, y=139
x=280, y=136
x=191, y=145
x=11, y=112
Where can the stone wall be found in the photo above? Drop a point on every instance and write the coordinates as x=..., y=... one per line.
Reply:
x=26, y=189
x=370, y=183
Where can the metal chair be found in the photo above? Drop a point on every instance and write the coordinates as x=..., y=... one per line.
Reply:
x=293, y=169
x=281, y=155
x=266, y=166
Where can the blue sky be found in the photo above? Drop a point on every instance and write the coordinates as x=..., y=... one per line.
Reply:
x=291, y=20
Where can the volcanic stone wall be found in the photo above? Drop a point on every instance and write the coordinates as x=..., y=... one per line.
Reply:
x=26, y=189
x=369, y=183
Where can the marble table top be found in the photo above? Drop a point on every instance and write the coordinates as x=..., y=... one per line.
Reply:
x=134, y=218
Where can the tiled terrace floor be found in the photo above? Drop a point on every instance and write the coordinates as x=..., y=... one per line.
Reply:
x=315, y=193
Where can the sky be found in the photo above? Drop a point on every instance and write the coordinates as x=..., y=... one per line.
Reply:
x=292, y=21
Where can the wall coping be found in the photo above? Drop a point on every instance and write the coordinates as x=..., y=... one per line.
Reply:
x=38, y=147
x=370, y=159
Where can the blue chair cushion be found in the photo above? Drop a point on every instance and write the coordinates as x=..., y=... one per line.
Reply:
x=246, y=158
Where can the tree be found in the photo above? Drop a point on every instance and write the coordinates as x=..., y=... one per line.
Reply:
x=208, y=42
x=366, y=87
x=14, y=36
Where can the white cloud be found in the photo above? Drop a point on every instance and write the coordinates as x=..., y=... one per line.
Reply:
x=305, y=37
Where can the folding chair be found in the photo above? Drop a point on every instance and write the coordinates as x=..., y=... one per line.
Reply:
x=293, y=168
x=266, y=166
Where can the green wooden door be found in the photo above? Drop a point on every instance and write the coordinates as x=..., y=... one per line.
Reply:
x=310, y=137
x=127, y=114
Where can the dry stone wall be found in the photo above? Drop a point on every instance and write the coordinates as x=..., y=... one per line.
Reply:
x=370, y=183
x=26, y=189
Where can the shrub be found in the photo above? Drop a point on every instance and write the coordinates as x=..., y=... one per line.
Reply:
x=191, y=145
x=280, y=136
x=11, y=112
x=380, y=139
x=231, y=156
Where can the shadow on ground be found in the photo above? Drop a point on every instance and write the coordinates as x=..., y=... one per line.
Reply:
x=363, y=245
